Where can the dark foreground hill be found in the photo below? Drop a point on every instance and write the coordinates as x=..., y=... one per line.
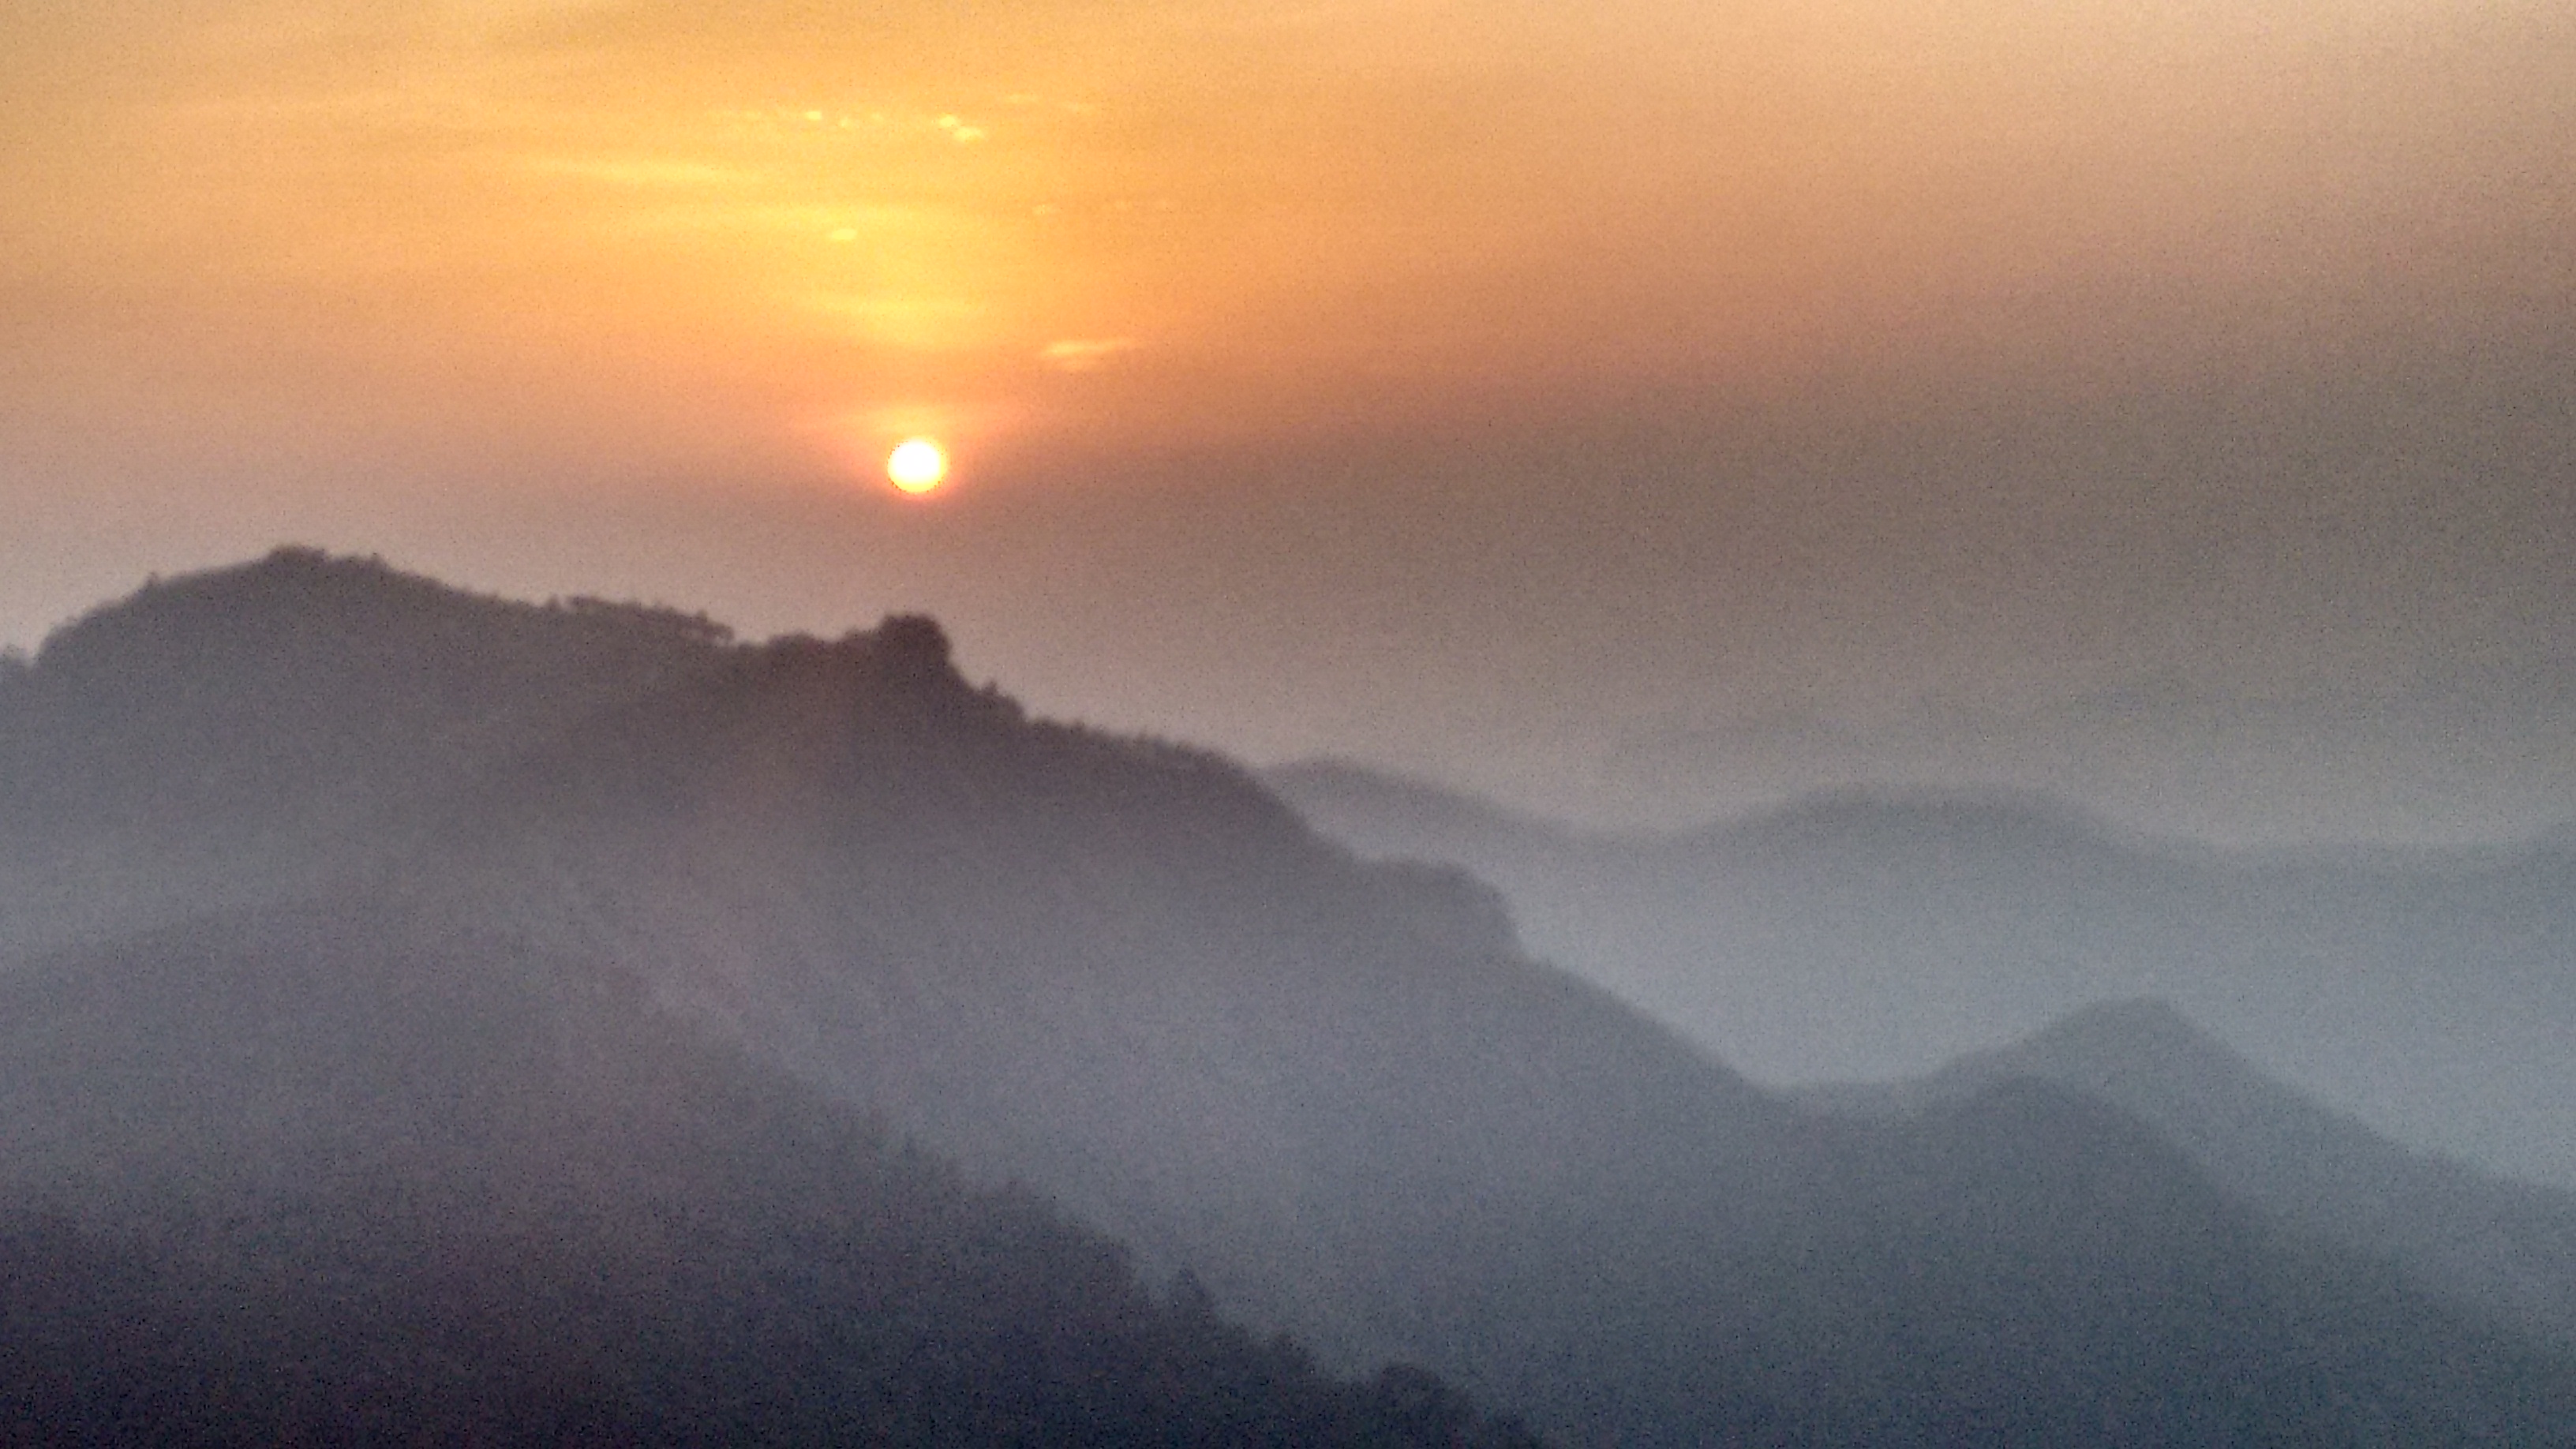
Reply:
x=1875, y=937
x=1119, y=972
x=337, y=1177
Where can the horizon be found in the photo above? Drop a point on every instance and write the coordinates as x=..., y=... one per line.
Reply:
x=1886, y=795
x=1640, y=416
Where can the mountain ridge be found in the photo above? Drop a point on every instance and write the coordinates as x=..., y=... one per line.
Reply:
x=1858, y=938
x=2476, y=1236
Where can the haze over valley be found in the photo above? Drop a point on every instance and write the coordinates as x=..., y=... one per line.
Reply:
x=1867, y=936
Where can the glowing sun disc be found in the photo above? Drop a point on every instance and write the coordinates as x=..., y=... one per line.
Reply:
x=917, y=465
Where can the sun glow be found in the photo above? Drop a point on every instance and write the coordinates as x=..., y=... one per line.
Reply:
x=917, y=465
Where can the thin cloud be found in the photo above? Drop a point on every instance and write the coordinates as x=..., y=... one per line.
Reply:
x=1082, y=354
x=645, y=173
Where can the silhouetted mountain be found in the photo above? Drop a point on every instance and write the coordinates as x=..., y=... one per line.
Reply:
x=230, y=737
x=641, y=968
x=1875, y=936
x=2501, y=1244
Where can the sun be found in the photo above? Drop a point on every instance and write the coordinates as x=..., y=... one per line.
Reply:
x=917, y=465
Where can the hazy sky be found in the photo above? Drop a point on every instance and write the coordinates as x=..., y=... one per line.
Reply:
x=1636, y=409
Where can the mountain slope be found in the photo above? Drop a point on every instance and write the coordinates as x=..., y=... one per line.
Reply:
x=1878, y=936
x=339, y=1176
x=2483, y=1239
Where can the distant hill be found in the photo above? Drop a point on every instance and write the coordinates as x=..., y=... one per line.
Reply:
x=624, y=979
x=2483, y=1239
x=1876, y=936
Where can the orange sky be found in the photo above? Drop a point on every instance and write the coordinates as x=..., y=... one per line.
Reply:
x=370, y=273
x=1200, y=216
